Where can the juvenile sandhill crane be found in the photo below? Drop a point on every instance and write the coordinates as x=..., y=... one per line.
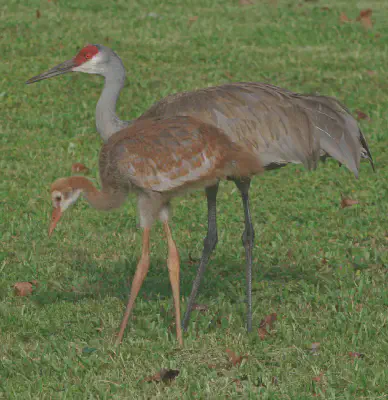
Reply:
x=158, y=159
x=280, y=126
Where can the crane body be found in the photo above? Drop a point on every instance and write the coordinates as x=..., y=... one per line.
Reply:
x=158, y=160
x=276, y=125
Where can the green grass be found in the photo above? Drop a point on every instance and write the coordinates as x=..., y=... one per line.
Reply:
x=322, y=269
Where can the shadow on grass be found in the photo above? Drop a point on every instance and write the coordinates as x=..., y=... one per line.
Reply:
x=221, y=278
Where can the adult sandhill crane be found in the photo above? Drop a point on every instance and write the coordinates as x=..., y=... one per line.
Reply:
x=158, y=159
x=280, y=126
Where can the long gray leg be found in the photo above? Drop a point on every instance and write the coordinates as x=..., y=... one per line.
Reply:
x=247, y=239
x=210, y=243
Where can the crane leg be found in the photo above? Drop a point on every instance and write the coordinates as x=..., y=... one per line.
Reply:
x=247, y=239
x=140, y=274
x=210, y=243
x=173, y=269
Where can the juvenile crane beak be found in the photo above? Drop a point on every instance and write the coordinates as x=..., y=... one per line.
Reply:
x=56, y=216
x=59, y=69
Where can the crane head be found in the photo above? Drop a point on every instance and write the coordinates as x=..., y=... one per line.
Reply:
x=63, y=195
x=91, y=59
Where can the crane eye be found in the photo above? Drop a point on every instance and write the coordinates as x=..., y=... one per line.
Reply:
x=87, y=56
x=58, y=198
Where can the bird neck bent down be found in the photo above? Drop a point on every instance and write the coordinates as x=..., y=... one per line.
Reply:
x=107, y=122
x=105, y=200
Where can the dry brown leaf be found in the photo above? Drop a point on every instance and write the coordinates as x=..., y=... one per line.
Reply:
x=268, y=321
x=355, y=354
x=325, y=8
x=24, y=288
x=228, y=75
x=191, y=20
x=245, y=2
x=319, y=377
x=365, y=18
x=345, y=202
x=37, y=14
x=362, y=115
x=344, y=18
x=164, y=375
x=262, y=333
x=200, y=307
x=371, y=73
x=79, y=167
x=234, y=358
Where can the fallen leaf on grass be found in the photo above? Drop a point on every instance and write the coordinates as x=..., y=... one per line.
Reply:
x=228, y=75
x=24, y=288
x=37, y=14
x=234, y=358
x=344, y=18
x=319, y=377
x=245, y=2
x=345, y=202
x=200, y=307
x=371, y=73
x=192, y=20
x=362, y=115
x=365, y=18
x=164, y=375
x=79, y=167
x=325, y=8
x=355, y=354
x=268, y=321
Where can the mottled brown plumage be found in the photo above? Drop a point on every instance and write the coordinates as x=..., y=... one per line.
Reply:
x=158, y=159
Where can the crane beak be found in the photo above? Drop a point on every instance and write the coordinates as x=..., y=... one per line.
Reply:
x=59, y=69
x=56, y=216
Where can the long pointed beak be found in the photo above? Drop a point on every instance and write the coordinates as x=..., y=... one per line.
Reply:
x=59, y=69
x=56, y=216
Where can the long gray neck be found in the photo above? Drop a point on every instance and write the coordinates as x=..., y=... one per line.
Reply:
x=107, y=122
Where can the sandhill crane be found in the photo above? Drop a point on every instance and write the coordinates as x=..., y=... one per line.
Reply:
x=158, y=159
x=278, y=125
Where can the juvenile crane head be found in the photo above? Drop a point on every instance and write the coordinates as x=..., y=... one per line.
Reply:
x=63, y=195
x=92, y=59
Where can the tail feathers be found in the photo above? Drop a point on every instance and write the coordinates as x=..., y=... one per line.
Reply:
x=366, y=152
x=339, y=134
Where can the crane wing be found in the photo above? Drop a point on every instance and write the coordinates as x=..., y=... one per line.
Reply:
x=280, y=126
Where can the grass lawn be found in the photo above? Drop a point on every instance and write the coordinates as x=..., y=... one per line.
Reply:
x=321, y=268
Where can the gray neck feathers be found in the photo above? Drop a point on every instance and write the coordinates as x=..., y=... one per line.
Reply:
x=107, y=122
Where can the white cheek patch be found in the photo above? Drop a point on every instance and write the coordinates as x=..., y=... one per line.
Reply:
x=54, y=195
x=65, y=203
x=91, y=66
